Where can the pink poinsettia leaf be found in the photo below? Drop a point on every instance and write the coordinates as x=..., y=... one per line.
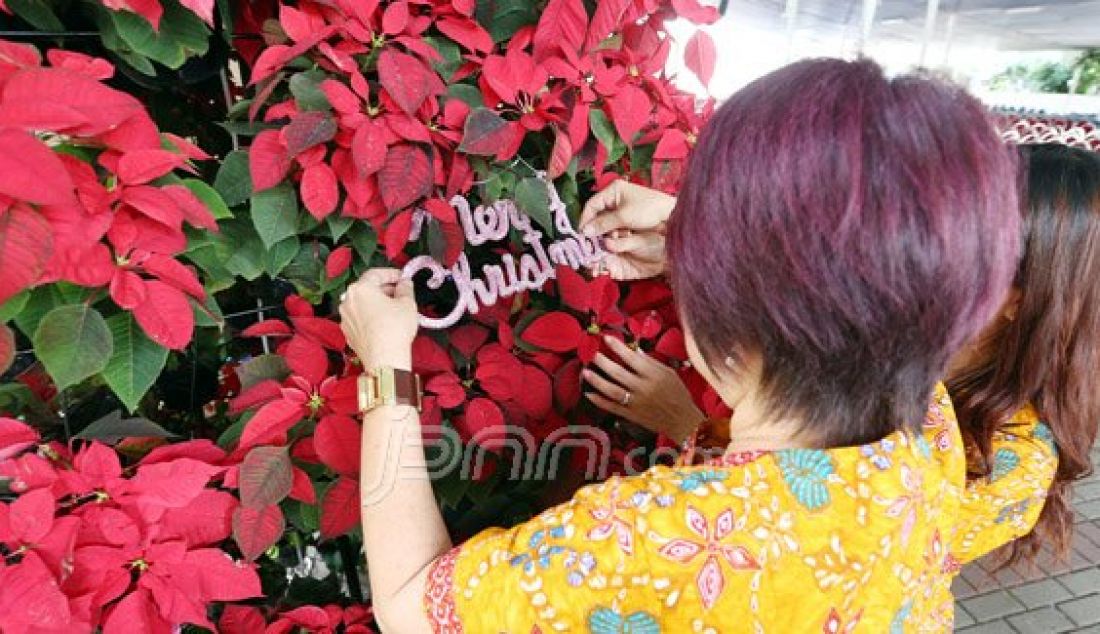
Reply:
x=407, y=79
x=306, y=130
x=405, y=177
x=340, y=508
x=141, y=166
x=265, y=477
x=629, y=109
x=26, y=245
x=268, y=160
x=337, y=443
x=338, y=262
x=368, y=148
x=32, y=172
x=319, y=191
x=165, y=315
x=305, y=358
x=256, y=530
x=557, y=332
x=693, y=11
x=562, y=25
x=205, y=521
x=32, y=599
x=271, y=423
x=700, y=55
x=15, y=436
x=32, y=516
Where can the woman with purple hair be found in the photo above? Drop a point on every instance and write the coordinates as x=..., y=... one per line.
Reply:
x=838, y=237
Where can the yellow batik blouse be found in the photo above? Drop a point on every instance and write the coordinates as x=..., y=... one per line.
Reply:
x=853, y=539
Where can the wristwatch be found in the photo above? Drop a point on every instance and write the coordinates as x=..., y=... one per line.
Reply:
x=388, y=386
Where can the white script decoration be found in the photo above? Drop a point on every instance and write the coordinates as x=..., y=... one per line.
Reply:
x=491, y=223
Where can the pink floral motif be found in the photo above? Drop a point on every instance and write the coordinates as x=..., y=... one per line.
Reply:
x=610, y=523
x=913, y=482
x=439, y=598
x=836, y=625
x=710, y=581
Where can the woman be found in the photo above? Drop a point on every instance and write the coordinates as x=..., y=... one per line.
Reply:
x=838, y=237
x=1035, y=361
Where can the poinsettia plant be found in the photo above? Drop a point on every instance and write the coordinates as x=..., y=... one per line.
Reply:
x=129, y=262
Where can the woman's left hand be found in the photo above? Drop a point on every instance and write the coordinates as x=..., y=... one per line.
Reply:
x=643, y=391
x=379, y=318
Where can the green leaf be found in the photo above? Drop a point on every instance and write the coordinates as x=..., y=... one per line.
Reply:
x=209, y=197
x=44, y=299
x=533, y=199
x=364, y=241
x=73, y=342
x=305, y=271
x=13, y=306
x=113, y=428
x=503, y=18
x=304, y=517
x=242, y=251
x=338, y=226
x=182, y=35
x=136, y=362
x=232, y=434
x=234, y=182
x=202, y=250
x=470, y=94
x=262, y=368
x=212, y=317
x=275, y=213
x=451, y=54
x=280, y=255
x=37, y=13
x=306, y=88
x=603, y=130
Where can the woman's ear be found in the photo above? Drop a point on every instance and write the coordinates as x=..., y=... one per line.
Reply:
x=1012, y=304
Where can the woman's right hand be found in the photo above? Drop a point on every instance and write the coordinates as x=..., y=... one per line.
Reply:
x=631, y=219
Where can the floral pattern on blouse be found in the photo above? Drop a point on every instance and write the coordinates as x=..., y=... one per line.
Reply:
x=855, y=539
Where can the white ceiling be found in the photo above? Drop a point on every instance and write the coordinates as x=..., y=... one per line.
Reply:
x=1003, y=24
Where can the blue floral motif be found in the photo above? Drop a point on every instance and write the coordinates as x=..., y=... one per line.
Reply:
x=1043, y=434
x=897, y=625
x=1004, y=461
x=607, y=621
x=664, y=500
x=541, y=551
x=879, y=453
x=695, y=479
x=923, y=446
x=1012, y=510
x=579, y=566
x=806, y=472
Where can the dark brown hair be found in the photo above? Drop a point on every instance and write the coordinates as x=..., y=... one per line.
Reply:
x=852, y=229
x=1049, y=353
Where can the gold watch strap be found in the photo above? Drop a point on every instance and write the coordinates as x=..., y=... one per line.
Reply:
x=388, y=386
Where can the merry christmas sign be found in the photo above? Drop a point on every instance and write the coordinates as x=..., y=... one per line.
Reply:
x=511, y=274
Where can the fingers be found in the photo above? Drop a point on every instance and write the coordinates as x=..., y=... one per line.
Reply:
x=621, y=375
x=634, y=241
x=606, y=199
x=604, y=223
x=605, y=387
x=612, y=407
x=637, y=361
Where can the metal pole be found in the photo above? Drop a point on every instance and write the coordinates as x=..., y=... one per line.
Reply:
x=949, y=38
x=932, y=9
x=869, y=8
x=790, y=14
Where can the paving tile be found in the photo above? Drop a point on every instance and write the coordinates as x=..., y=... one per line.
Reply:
x=1089, y=530
x=1083, y=611
x=962, y=618
x=1086, y=547
x=1041, y=621
x=1041, y=593
x=1087, y=491
x=1090, y=510
x=995, y=627
x=1083, y=582
x=994, y=605
x=962, y=589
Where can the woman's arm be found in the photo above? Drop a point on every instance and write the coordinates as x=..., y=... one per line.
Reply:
x=1005, y=505
x=403, y=531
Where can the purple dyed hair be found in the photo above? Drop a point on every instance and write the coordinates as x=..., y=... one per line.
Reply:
x=854, y=231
